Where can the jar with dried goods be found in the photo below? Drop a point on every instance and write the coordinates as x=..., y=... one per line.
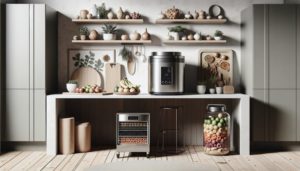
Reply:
x=216, y=133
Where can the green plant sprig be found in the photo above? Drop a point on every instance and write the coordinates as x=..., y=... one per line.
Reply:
x=177, y=29
x=102, y=12
x=218, y=33
x=109, y=29
x=72, y=82
x=83, y=30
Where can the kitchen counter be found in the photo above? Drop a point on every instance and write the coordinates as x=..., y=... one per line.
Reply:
x=147, y=96
x=240, y=114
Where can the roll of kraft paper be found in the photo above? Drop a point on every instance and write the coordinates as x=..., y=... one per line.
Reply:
x=83, y=137
x=67, y=135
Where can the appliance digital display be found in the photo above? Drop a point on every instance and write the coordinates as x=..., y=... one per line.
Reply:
x=166, y=75
x=133, y=118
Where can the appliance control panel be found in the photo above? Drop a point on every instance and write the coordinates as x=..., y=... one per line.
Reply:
x=166, y=76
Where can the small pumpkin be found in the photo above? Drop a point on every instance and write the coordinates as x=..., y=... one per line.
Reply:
x=93, y=35
x=135, y=36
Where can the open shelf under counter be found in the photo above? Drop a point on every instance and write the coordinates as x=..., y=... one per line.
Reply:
x=112, y=41
x=191, y=21
x=108, y=21
x=194, y=41
x=193, y=105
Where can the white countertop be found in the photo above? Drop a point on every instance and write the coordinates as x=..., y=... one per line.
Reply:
x=147, y=96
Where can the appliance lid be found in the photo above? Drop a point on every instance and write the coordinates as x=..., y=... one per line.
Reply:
x=170, y=54
x=166, y=57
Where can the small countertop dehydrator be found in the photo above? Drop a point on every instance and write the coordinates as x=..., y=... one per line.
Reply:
x=133, y=133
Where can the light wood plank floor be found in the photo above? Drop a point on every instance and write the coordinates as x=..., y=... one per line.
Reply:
x=36, y=160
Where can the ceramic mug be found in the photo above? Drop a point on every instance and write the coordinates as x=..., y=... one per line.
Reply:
x=219, y=90
x=201, y=89
x=212, y=90
x=71, y=87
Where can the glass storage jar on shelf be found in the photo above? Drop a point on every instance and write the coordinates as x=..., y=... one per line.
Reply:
x=216, y=133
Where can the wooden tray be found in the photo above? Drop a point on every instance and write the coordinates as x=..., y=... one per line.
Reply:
x=68, y=93
x=128, y=93
x=86, y=76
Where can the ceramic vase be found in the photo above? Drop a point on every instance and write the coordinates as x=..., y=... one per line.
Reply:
x=175, y=35
x=188, y=15
x=197, y=36
x=75, y=37
x=89, y=16
x=127, y=17
x=108, y=36
x=120, y=13
x=82, y=37
x=110, y=15
x=93, y=10
x=218, y=37
x=83, y=14
x=190, y=37
x=161, y=15
x=146, y=35
x=124, y=37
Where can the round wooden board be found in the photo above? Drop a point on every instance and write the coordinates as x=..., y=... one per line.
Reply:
x=128, y=93
x=86, y=76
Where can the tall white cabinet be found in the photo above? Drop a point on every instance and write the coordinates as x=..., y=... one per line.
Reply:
x=30, y=70
x=270, y=71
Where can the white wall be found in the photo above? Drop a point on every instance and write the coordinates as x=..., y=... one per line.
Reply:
x=151, y=9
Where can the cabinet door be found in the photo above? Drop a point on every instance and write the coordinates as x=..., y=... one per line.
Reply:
x=298, y=48
x=17, y=46
x=282, y=48
x=39, y=46
x=259, y=110
x=282, y=115
x=259, y=66
x=298, y=115
x=17, y=115
x=39, y=115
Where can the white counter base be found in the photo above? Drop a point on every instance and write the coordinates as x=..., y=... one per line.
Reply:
x=242, y=116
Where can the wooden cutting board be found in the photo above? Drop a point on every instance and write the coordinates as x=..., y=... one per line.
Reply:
x=112, y=76
x=211, y=62
x=86, y=76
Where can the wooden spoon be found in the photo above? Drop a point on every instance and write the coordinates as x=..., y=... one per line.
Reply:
x=131, y=65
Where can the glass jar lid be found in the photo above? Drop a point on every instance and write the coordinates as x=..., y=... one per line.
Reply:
x=216, y=107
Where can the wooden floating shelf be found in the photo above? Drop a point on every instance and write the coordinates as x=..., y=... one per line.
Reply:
x=194, y=41
x=191, y=21
x=103, y=21
x=112, y=41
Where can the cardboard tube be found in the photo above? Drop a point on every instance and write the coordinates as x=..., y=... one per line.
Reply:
x=83, y=137
x=67, y=135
